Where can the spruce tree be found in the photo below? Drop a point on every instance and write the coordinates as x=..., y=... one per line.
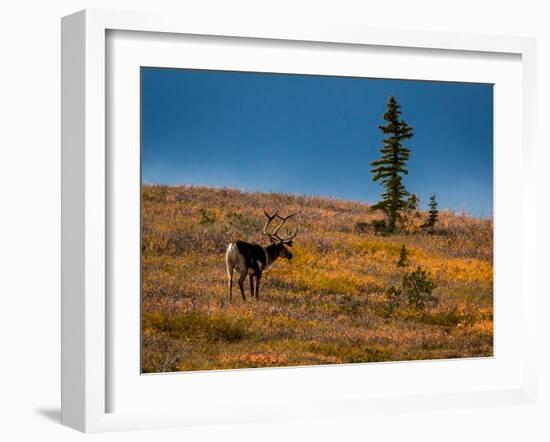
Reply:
x=433, y=214
x=413, y=202
x=390, y=167
x=403, y=257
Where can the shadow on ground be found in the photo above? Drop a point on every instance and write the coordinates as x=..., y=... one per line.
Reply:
x=51, y=414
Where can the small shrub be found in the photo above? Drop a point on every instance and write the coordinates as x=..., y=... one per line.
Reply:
x=242, y=224
x=417, y=289
x=450, y=317
x=361, y=227
x=349, y=353
x=230, y=331
x=379, y=226
x=403, y=258
x=392, y=300
x=207, y=217
x=329, y=284
x=413, y=202
x=433, y=215
x=347, y=304
x=195, y=325
x=411, y=222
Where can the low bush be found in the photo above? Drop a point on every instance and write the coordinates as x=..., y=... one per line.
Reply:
x=392, y=300
x=206, y=217
x=362, y=227
x=417, y=289
x=379, y=226
x=450, y=317
x=348, y=305
x=242, y=225
x=194, y=325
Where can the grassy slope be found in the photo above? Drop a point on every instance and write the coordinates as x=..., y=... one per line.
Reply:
x=326, y=306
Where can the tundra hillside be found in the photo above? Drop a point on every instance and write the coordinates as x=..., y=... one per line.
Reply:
x=328, y=305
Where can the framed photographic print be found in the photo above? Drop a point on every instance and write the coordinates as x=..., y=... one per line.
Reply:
x=230, y=159
x=266, y=223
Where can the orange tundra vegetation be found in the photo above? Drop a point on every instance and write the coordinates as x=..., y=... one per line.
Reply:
x=328, y=305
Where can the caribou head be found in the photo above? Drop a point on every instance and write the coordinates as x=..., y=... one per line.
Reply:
x=279, y=245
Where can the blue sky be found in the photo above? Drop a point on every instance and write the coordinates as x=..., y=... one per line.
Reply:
x=315, y=135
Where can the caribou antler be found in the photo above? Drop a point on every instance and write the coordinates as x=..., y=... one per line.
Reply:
x=275, y=235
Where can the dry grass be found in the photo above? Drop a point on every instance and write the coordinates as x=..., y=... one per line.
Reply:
x=326, y=306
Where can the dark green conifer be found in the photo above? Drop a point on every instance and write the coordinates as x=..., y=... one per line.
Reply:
x=403, y=258
x=390, y=167
x=413, y=202
x=433, y=214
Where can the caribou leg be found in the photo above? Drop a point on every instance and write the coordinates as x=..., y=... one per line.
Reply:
x=230, y=285
x=258, y=287
x=241, y=284
x=251, y=277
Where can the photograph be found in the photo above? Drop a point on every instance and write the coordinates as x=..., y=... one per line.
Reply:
x=301, y=220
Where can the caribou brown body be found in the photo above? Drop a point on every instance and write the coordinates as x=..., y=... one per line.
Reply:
x=252, y=260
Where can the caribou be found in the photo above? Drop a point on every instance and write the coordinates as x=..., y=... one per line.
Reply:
x=253, y=260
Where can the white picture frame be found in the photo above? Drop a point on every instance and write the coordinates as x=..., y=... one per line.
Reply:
x=86, y=205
